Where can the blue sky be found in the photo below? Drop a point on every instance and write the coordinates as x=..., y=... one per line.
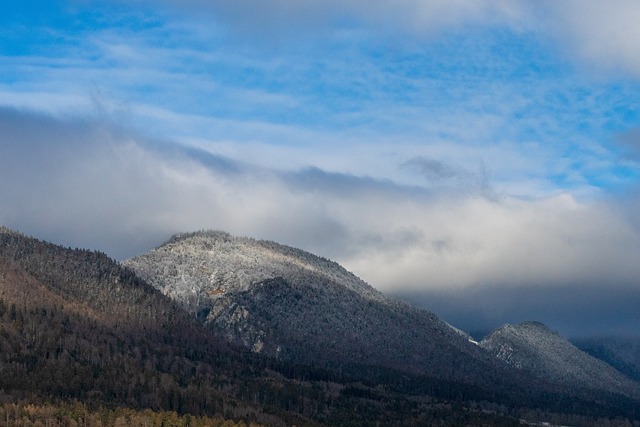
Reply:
x=434, y=148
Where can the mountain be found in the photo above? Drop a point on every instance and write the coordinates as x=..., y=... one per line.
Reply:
x=534, y=348
x=623, y=353
x=295, y=306
x=76, y=326
x=84, y=333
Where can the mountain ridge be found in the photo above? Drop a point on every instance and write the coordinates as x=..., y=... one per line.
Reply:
x=278, y=256
x=273, y=298
x=535, y=348
x=75, y=324
x=288, y=303
x=622, y=353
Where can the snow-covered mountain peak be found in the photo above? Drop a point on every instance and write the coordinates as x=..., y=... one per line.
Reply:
x=288, y=303
x=217, y=263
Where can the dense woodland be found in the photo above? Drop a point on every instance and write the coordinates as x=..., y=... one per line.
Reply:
x=84, y=342
x=77, y=414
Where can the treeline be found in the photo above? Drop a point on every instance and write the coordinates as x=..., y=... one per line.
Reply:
x=79, y=415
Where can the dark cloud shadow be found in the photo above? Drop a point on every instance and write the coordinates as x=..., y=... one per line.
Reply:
x=431, y=169
x=312, y=179
x=574, y=311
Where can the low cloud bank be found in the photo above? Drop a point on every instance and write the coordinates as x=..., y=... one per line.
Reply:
x=575, y=311
x=85, y=183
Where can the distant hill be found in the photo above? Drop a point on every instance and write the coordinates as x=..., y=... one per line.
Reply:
x=534, y=348
x=623, y=353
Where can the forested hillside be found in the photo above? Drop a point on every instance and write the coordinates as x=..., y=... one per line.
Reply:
x=298, y=307
x=77, y=414
x=76, y=326
x=84, y=341
x=623, y=353
x=534, y=348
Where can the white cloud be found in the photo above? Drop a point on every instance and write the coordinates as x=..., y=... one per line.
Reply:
x=87, y=183
x=273, y=115
x=384, y=135
x=92, y=185
x=606, y=34
x=478, y=242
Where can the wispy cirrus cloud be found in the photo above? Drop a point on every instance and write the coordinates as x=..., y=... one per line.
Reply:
x=606, y=35
x=290, y=97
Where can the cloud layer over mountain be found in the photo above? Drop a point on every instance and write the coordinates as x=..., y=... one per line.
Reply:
x=470, y=155
x=90, y=184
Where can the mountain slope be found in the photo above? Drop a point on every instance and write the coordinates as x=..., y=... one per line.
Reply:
x=623, y=353
x=534, y=348
x=77, y=326
x=290, y=304
x=75, y=323
x=297, y=307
